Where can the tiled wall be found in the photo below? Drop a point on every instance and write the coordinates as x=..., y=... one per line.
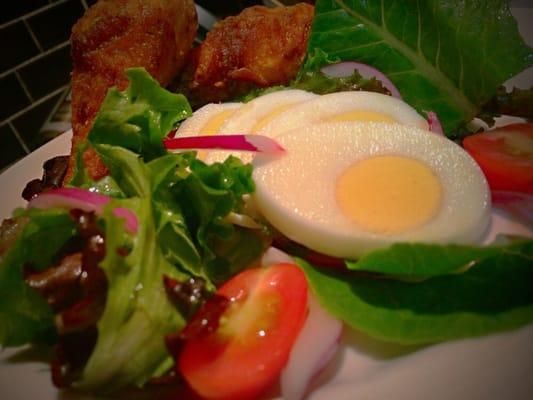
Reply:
x=34, y=72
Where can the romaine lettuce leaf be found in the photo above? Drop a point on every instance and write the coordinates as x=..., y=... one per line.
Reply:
x=444, y=56
x=421, y=261
x=492, y=296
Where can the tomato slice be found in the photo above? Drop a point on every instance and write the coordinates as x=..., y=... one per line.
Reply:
x=246, y=353
x=506, y=156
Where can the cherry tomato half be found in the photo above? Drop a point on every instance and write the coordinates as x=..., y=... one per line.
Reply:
x=506, y=156
x=246, y=354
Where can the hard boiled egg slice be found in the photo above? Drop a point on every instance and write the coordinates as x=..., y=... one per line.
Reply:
x=207, y=120
x=255, y=114
x=345, y=188
x=345, y=106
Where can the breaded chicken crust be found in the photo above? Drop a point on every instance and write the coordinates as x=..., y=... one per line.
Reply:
x=112, y=36
x=259, y=47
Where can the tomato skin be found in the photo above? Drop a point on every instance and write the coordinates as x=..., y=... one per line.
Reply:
x=246, y=354
x=506, y=166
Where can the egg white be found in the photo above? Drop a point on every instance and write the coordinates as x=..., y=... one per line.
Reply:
x=296, y=192
x=193, y=125
x=196, y=123
x=328, y=106
x=250, y=114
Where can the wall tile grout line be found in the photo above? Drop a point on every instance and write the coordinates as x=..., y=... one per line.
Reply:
x=32, y=13
x=29, y=61
x=38, y=102
x=17, y=135
x=32, y=34
x=24, y=87
x=58, y=104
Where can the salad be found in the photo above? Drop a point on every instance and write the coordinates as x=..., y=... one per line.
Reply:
x=166, y=273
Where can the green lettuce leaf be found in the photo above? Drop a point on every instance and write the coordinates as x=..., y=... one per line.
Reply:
x=24, y=314
x=139, y=117
x=421, y=261
x=444, y=56
x=138, y=314
x=494, y=295
x=190, y=201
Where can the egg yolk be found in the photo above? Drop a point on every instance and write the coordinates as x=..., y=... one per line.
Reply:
x=389, y=194
x=213, y=125
x=362, y=116
x=271, y=115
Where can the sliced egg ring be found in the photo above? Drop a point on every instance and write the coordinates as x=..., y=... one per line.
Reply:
x=256, y=113
x=345, y=106
x=207, y=120
x=300, y=193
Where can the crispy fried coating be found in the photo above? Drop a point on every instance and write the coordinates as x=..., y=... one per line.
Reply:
x=259, y=47
x=117, y=34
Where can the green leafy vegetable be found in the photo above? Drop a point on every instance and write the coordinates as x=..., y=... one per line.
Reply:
x=420, y=261
x=139, y=117
x=494, y=295
x=130, y=348
x=190, y=199
x=24, y=314
x=181, y=204
x=445, y=56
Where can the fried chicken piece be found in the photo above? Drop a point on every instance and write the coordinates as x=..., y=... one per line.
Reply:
x=259, y=47
x=117, y=34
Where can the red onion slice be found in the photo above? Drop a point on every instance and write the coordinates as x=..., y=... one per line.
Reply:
x=71, y=198
x=315, y=345
x=255, y=143
x=516, y=203
x=346, y=68
x=434, y=123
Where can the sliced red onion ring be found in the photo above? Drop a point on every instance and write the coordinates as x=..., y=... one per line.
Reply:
x=516, y=203
x=255, y=143
x=434, y=123
x=346, y=68
x=130, y=219
x=315, y=345
x=85, y=200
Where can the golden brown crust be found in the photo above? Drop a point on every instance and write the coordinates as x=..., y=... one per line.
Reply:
x=117, y=34
x=259, y=47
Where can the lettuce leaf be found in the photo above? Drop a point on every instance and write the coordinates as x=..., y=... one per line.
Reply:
x=181, y=204
x=24, y=314
x=492, y=296
x=130, y=348
x=445, y=56
x=421, y=261
x=139, y=117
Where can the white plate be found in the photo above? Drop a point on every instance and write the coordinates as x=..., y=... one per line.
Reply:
x=492, y=367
